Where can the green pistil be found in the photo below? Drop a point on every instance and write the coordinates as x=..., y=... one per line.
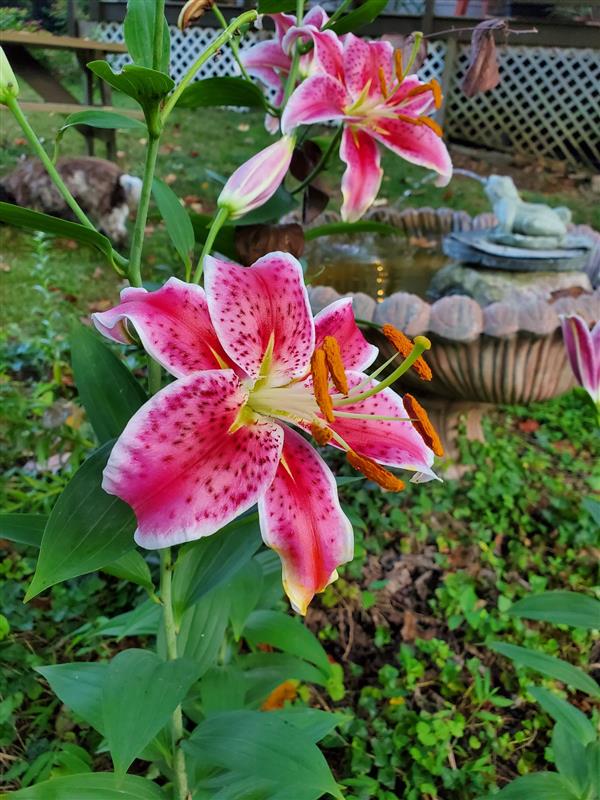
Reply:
x=421, y=344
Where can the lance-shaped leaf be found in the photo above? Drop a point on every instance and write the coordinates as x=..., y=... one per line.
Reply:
x=571, y=718
x=222, y=92
x=146, y=86
x=561, y=608
x=570, y=758
x=177, y=220
x=93, y=786
x=86, y=530
x=79, y=686
x=108, y=390
x=139, y=31
x=538, y=786
x=287, y=634
x=140, y=693
x=364, y=15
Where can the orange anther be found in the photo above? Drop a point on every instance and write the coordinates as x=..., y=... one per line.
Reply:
x=436, y=90
x=398, y=65
x=422, y=424
x=280, y=694
x=404, y=346
x=321, y=434
x=335, y=365
x=382, y=82
x=375, y=472
x=320, y=376
x=431, y=123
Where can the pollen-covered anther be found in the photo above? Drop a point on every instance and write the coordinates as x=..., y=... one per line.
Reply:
x=321, y=434
x=320, y=376
x=422, y=424
x=404, y=346
x=335, y=365
x=375, y=472
x=398, y=66
x=432, y=125
x=433, y=87
x=382, y=82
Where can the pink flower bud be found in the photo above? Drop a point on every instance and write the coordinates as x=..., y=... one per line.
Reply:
x=252, y=184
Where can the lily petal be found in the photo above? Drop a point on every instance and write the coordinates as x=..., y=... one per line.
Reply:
x=260, y=307
x=337, y=319
x=318, y=99
x=180, y=469
x=316, y=16
x=264, y=59
x=362, y=177
x=301, y=518
x=583, y=351
x=363, y=61
x=173, y=324
x=417, y=144
x=390, y=442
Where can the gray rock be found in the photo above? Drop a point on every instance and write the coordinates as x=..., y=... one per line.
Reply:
x=492, y=286
x=458, y=318
x=404, y=311
x=321, y=296
x=536, y=316
x=500, y=319
x=363, y=305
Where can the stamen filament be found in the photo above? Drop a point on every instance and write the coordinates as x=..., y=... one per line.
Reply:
x=354, y=415
x=421, y=344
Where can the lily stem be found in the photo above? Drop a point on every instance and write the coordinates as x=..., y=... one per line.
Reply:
x=218, y=221
x=36, y=146
x=238, y=22
x=232, y=42
x=137, y=239
x=179, y=773
x=321, y=164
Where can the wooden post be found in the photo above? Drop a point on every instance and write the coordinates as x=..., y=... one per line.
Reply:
x=450, y=62
x=428, y=16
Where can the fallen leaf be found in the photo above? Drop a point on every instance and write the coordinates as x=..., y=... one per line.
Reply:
x=254, y=241
x=170, y=178
x=315, y=201
x=19, y=141
x=528, y=425
x=243, y=127
x=409, y=626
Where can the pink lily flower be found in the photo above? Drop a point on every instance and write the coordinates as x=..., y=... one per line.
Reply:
x=247, y=356
x=583, y=351
x=252, y=184
x=270, y=61
x=364, y=87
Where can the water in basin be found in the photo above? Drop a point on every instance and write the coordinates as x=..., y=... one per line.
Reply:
x=376, y=265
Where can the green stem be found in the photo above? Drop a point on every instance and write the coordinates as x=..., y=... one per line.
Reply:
x=216, y=225
x=291, y=78
x=137, y=239
x=232, y=42
x=159, y=26
x=36, y=145
x=243, y=19
x=421, y=344
x=179, y=773
x=337, y=13
x=322, y=162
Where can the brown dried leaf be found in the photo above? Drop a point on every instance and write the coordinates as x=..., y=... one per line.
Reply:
x=483, y=74
x=314, y=202
x=409, y=628
x=305, y=159
x=192, y=10
x=254, y=241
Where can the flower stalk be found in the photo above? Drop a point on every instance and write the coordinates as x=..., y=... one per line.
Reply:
x=219, y=220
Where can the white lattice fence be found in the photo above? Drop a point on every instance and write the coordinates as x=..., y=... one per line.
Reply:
x=547, y=103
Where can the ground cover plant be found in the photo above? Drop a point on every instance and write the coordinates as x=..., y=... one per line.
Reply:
x=151, y=675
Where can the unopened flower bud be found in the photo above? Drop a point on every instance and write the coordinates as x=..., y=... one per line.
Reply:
x=8, y=83
x=257, y=180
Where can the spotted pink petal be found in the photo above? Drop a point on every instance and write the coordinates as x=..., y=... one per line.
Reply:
x=301, y=518
x=417, y=144
x=318, y=99
x=338, y=320
x=283, y=22
x=396, y=444
x=173, y=325
x=316, y=16
x=179, y=468
x=362, y=62
x=252, y=306
x=411, y=106
x=583, y=351
x=325, y=55
x=362, y=177
x=264, y=59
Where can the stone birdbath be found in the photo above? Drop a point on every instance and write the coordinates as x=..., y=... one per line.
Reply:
x=495, y=332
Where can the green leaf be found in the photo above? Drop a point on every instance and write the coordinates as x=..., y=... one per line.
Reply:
x=131, y=567
x=108, y=390
x=336, y=228
x=208, y=562
x=23, y=528
x=561, y=608
x=177, y=220
x=92, y=786
x=571, y=718
x=287, y=634
x=254, y=745
x=592, y=506
x=570, y=758
x=276, y=6
x=315, y=723
x=102, y=119
x=140, y=694
x=592, y=754
x=86, y=530
x=79, y=686
x=550, y=666
x=36, y=221
x=358, y=18
x=538, y=786
x=225, y=241
x=141, y=621
x=222, y=92
x=222, y=689
x=202, y=630
x=138, y=29
x=148, y=87
x=265, y=671
x=244, y=591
